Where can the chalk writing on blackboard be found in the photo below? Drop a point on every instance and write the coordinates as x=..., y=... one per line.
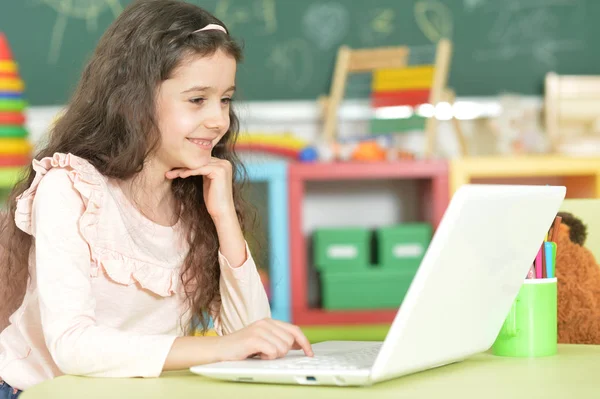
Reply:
x=259, y=12
x=434, y=19
x=291, y=63
x=470, y=5
x=377, y=25
x=266, y=8
x=326, y=24
x=531, y=27
x=88, y=10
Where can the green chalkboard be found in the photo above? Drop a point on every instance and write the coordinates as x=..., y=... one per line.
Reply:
x=290, y=45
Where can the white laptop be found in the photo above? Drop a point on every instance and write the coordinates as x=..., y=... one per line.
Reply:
x=455, y=306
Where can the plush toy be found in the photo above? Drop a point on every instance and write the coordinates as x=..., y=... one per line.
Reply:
x=578, y=276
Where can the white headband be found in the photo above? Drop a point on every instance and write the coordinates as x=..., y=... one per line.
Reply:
x=211, y=27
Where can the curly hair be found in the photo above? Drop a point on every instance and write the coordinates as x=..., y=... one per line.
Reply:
x=110, y=121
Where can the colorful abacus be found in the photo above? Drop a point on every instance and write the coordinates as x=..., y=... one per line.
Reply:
x=406, y=87
x=397, y=82
x=15, y=148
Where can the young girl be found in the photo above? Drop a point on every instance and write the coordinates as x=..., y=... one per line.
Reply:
x=128, y=226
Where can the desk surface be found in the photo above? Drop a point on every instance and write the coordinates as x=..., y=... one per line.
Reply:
x=574, y=372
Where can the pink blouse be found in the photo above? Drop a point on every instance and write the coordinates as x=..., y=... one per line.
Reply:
x=104, y=298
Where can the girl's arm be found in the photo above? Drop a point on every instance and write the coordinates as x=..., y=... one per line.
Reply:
x=244, y=318
x=243, y=296
x=231, y=240
x=268, y=339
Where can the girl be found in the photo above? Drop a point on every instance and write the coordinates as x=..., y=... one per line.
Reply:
x=127, y=226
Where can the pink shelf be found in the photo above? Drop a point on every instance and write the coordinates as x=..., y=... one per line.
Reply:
x=435, y=194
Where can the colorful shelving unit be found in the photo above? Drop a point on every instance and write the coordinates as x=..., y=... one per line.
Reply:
x=274, y=173
x=433, y=176
x=581, y=175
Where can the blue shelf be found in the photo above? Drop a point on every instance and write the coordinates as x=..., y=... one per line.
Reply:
x=274, y=173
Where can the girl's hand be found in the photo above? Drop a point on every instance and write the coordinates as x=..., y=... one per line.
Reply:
x=269, y=339
x=217, y=185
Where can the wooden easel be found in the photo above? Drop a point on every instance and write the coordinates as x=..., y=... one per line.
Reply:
x=367, y=60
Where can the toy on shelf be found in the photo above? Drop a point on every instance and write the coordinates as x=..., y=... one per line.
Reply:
x=572, y=114
x=15, y=149
x=350, y=281
x=369, y=151
x=518, y=129
x=403, y=97
x=406, y=88
x=285, y=145
x=292, y=148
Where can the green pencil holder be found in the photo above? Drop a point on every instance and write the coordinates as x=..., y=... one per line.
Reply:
x=530, y=329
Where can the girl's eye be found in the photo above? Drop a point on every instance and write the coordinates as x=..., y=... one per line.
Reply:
x=198, y=100
x=226, y=100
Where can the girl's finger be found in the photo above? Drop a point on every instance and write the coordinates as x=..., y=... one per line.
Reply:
x=209, y=171
x=269, y=347
x=202, y=171
x=267, y=351
x=173, y=174
x=285, y=337
x=280, y=343
x=185, y=172
x=301, y=340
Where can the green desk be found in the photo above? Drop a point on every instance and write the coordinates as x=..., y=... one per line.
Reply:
x=573, y=373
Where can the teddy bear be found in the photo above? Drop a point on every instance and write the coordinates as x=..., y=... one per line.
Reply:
x=578, y=284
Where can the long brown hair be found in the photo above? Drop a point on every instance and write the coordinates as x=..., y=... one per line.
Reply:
x=110, y=121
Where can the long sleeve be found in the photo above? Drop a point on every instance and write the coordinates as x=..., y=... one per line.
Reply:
x=77, y=344
x=243, y=296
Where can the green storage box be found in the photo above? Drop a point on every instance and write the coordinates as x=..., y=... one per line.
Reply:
x=369, y=288
x=403, y=245
x=346, y=248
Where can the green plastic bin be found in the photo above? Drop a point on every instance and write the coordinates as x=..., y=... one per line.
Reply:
x=341, y=248
x=403, y=246
x=369, y=288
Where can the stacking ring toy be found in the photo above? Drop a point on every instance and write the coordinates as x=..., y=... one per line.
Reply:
x=12, y=105
x=14, y=160
x=14, y=146
x=11, y=118
x=8, y=131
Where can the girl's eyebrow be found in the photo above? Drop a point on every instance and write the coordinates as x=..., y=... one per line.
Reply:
x=205, y=88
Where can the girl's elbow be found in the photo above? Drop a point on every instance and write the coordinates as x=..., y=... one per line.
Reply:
x=69, y=360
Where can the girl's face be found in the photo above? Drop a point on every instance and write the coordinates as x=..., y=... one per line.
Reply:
x=193, y=110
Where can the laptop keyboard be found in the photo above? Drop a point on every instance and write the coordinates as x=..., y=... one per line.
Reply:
x=353, y=360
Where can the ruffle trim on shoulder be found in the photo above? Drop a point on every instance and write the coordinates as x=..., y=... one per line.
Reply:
x=91, y=185
x=86, y=180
